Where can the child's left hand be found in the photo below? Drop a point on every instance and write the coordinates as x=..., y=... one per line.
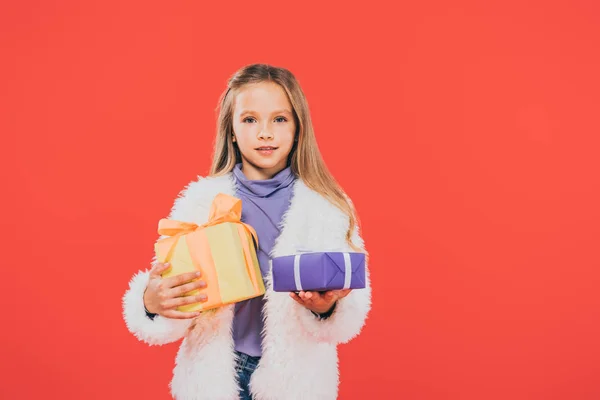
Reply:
x=317, y=302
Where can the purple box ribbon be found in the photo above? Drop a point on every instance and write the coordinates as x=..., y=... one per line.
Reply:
x=318, y=271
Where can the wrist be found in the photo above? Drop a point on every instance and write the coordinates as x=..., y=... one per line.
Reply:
x=149, y=314
x=326, y=314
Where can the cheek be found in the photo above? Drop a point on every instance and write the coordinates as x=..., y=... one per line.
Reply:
x=286, y=134
x=243, y=133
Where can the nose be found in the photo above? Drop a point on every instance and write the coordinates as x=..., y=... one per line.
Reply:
x=265, y=134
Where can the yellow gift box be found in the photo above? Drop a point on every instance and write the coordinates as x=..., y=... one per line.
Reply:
x=222, y=250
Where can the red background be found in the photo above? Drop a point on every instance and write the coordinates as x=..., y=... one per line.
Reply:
x=466, y=132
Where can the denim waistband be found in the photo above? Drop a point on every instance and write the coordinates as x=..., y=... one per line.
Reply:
x=244, y=361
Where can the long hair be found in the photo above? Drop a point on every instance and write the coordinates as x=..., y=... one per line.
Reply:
x=305, y=158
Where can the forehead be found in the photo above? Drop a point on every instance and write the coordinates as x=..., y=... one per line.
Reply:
x=261, y=97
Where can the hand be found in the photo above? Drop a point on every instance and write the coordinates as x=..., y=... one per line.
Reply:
x=319, y=302
x=163, y=296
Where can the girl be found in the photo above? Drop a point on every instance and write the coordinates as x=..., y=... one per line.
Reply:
x=279, y=346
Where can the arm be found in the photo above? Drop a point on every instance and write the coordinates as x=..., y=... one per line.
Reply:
x=347, y=316
x=156, y=331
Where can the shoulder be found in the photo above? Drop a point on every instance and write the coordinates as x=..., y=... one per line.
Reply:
x=194, y=200
x=311, y=199
x=314, y=222
x=311, y=208
x=317, y=210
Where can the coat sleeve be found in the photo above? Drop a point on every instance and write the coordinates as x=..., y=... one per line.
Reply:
x=159, y=330
x=349, y=315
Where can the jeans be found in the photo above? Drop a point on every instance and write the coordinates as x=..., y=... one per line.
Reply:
x=245, y=366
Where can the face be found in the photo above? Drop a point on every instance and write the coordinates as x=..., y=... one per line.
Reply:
x=264, y=129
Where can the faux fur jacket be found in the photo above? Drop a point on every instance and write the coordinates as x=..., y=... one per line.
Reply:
x=299, y=360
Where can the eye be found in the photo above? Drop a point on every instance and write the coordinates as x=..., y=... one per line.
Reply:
x=281, y=118
x=247, y=118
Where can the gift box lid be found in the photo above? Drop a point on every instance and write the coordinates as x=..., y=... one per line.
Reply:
x=327, y=269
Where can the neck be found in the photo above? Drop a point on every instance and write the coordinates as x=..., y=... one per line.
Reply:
x=260, y=174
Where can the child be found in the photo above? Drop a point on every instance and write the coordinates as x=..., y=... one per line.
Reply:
x=279, y=346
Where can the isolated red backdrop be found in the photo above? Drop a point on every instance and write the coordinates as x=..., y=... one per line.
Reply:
x=466, y=132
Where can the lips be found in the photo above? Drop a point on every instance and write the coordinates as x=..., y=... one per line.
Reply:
x=266, y=151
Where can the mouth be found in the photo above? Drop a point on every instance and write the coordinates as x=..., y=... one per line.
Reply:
x=266, y=150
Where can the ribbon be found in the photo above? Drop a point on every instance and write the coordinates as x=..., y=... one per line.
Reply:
x=347, y=271
x=224, y=208
x=297, y=279
x=348, y=276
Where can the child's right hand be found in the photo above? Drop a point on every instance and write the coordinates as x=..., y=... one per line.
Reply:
x=163, y=296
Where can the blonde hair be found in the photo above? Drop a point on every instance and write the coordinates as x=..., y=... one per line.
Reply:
x=305, y=158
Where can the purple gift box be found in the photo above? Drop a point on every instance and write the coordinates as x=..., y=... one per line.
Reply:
x=318, y=271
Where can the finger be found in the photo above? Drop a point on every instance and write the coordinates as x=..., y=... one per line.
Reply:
x=296, y=298
x=305, y=300
x=180, y=314
x=343, y=293
x=158, y=269
x=300, y=296
x=181, y=279
x=315, y=296
x=182, y=301
x=188, y=287
x=330, y=295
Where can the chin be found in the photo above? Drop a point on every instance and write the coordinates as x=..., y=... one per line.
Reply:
x=270, y=165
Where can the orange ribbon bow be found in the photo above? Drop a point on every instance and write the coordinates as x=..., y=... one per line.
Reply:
x=224, y=209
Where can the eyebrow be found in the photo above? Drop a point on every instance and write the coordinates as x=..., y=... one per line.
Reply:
x=274, y=112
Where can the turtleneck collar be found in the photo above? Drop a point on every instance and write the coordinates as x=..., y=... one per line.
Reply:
x=266, y=187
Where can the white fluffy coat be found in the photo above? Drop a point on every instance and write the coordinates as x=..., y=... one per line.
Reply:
x=300, y=360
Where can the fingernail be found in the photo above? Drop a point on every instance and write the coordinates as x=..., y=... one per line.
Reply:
x=167, y=264
x=198, y=273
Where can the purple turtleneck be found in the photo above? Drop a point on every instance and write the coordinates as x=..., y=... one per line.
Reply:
x=263, y=204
